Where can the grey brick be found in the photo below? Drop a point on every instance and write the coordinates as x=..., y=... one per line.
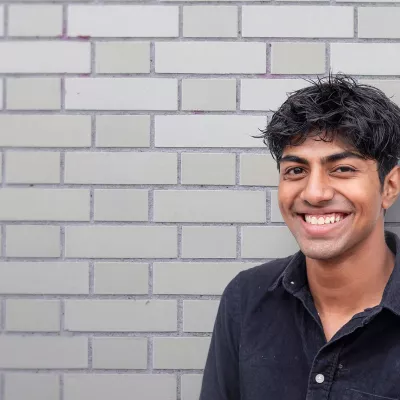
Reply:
x=119, y=353
x=121, y=315
x=194, y=277
x=120, y=386
x=180, y=353
x=36, y=386
x=209, y=206
x=267, y=242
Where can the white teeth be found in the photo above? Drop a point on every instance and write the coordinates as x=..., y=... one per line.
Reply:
x=313, y=220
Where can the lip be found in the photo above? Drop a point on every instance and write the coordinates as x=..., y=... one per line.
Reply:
x=322, y=230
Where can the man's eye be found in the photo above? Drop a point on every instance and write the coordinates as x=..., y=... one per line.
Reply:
x=294, y=171
x=344, y=169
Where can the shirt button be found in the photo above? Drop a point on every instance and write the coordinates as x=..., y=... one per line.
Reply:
x=319, y=378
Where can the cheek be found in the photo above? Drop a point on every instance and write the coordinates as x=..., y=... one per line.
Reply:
x=286, y=197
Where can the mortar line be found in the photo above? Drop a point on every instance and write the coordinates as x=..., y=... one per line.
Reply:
x=64, y=29
x=152, y=57
x=6, y=16
x=61, y=386
x=4, y=93
x=269, y=59
x=239, y=21
x=356, y=22
x=327, y=58
x=3, y=386
x=179, y=385
x=180, y=22
x=90, y=352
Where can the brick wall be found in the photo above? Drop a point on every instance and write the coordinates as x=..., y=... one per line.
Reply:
x=132, y=190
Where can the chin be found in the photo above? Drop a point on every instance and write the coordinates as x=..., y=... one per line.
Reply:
x=321, y=251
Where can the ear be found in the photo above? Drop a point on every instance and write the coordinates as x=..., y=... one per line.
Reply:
x=391, y=188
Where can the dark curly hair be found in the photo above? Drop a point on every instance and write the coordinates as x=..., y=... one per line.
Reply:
x=361, y=115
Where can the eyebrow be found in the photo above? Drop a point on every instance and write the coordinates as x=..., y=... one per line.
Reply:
x=324, y=160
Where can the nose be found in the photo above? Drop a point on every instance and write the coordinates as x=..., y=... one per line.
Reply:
x=317, y=189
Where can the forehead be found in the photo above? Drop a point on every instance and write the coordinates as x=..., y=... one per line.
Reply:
x=314, y=146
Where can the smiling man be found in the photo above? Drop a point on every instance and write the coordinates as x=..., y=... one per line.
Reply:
x=325, y=322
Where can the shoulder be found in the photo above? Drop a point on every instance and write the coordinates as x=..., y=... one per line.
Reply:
x=263, y=275
x=250, y=285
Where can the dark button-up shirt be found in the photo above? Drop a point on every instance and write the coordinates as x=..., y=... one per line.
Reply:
x=268, y=341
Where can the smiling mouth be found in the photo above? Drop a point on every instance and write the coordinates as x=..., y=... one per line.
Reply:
x=323, y=219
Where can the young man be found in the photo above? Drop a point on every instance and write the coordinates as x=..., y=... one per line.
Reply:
x=325, y=322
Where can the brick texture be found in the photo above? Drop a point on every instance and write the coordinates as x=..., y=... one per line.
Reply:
x=133, y=187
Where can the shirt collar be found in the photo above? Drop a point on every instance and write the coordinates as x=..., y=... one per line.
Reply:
x=391, y=294
x=294, y=276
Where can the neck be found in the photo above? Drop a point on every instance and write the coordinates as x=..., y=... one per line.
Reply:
x=354, y=281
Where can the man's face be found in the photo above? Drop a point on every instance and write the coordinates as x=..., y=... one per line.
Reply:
x=329, y=197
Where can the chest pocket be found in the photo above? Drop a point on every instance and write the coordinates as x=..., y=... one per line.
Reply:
x=352, y=394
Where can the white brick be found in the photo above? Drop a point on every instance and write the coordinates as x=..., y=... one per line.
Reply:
x=124, y=168
x=258, y=170
x=211, y=57
x=43, y=352
x=44, y=278
x=123, y=21
x=390, y=87
x=45, y=130
x=298, y=21
x=267, y=242
x=33, y=94
x=122, y=57
x=208, y=169
x=31, y=386
x=120, y=205
x=194, y=278
x=366, y=58
x=199, y=315
x=180, y=353
x=119, y=353
x=33, y=241
x=210, y=21
x=298, y=58
x=120, y=386
x=44, y=57
x=276, y=215
x=267, y=94
x=121, y=94
x=208, y=130
x=33, y=315
x=209, y=242
x=121, y=241
x=191, y=386
x=121, y=315
x=33, y=204
x=123, y=131
x=35, y=20
x=209, y=206
x=209, y=94
x=32, y=167
x=120, y=278
x=378, y=22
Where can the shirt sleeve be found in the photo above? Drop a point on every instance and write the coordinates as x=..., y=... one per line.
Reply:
x=221, y=374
